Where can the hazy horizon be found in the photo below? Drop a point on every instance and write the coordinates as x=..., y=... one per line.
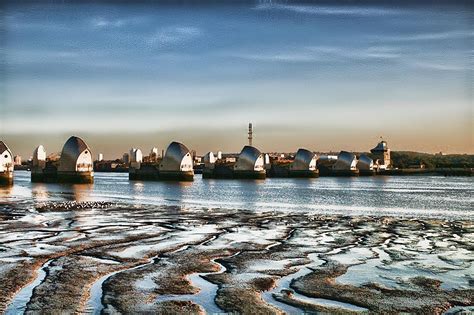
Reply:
x=322, y=76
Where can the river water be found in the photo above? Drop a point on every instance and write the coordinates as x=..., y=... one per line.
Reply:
x=410, y=196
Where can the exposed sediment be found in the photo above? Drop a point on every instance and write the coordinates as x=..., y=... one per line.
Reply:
x=172, y=260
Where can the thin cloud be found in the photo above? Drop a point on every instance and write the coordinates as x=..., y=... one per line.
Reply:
x=103, y=22
x=343, y=53
x=437, y=66
x=428, y=36
x=277, y=57
x=174, y=35
x=40, y=56
x=329, y=10
x=322, y=54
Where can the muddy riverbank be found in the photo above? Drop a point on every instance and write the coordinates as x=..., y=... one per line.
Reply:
x=108, y=258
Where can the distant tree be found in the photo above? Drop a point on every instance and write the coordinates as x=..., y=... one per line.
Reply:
x=403, y=159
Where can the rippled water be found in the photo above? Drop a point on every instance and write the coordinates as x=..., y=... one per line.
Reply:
x=443, y=197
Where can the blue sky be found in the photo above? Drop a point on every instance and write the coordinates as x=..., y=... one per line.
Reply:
x=325, y=77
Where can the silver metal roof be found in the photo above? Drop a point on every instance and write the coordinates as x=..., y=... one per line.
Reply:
x=365, y=163
x=175, y=155
x=248, y=158
x=72, y=149
x=304, y=160
x=345, y=161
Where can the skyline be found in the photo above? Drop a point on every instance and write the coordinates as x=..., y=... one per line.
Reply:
x=324, y=77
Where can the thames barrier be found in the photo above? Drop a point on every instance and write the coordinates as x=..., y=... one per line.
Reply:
x=75, y=164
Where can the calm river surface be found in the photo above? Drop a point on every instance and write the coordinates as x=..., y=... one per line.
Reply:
x=435, y=197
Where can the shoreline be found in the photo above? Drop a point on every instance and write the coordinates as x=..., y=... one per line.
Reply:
x=443, y=171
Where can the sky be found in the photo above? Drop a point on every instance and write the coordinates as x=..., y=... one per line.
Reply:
x=322, y=76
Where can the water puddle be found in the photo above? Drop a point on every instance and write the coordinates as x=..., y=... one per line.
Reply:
x=284, y=284
x=207, y=290
x=21, y=299
x=95, y=305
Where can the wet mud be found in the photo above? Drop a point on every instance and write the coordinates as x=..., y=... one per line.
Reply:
x=103, y=258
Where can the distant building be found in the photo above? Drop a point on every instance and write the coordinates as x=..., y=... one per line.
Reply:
x=39, y=159
x=209, y=160
x=100, y=157
x=421, y=165
x=135, y=157
x=230, y=159
x=153, y=155
x=126, y=158
x=382, y=155
x=17, y=160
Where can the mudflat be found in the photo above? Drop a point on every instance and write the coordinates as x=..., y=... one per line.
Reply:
x=105, y=257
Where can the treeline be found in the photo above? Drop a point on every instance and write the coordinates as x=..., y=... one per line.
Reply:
x=405, y=159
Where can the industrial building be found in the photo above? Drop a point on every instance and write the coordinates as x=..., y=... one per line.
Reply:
x=250, y=163
x=365, y=165
x=17, y=160
x=344, y=164
x=6, y=165
x=177, y=164
x=74, y=166
x=302, y=165
x=381, y=155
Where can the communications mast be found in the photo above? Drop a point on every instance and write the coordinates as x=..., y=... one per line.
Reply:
x=250, y=134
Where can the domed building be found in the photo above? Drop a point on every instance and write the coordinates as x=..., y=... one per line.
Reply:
x=365, y=165
x=177, y=163
x=6, y=165
x=346, y=165
x=75, y=163
x=250, y=164
x=304, y=164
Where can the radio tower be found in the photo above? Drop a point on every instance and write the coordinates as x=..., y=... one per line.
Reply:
x=250, y=134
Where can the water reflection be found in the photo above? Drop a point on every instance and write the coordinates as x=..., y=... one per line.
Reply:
x=377, y=195
x=82, y=192
x=40, y=192
x=6, y=191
